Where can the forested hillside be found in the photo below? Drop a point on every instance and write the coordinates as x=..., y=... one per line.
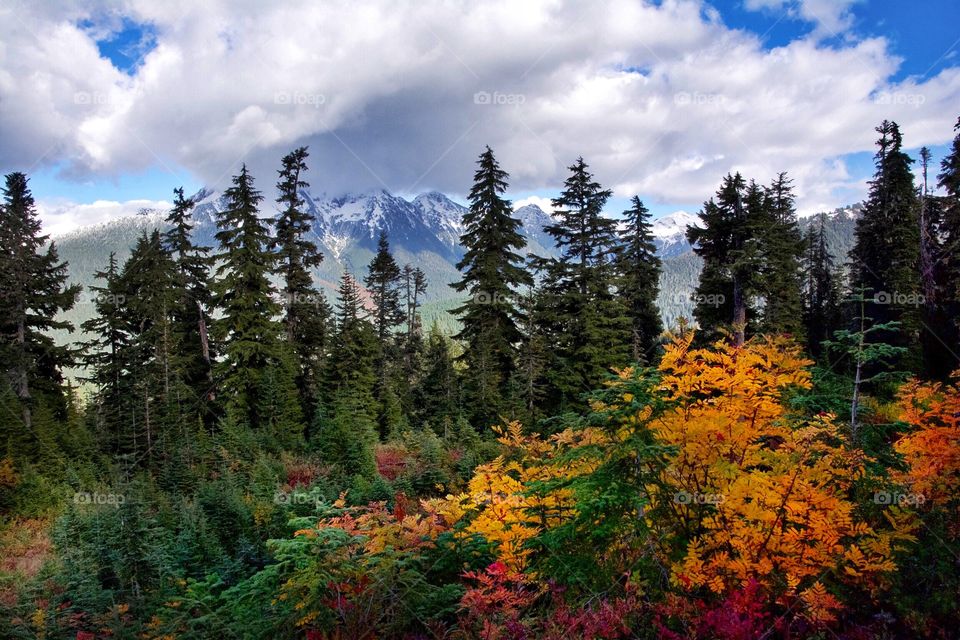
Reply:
x=749, y=431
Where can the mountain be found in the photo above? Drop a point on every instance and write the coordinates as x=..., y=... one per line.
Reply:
x=423, y=232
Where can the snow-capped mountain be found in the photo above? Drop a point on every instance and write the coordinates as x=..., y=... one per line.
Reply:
x=670, y=233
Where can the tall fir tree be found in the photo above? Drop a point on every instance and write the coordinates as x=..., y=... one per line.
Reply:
x=492, y=271
x=245, y=296
x=585, y=320
x=822, y=288
x=384, y=280
x=948, y=257
x=306, y=313
x=728, y=245
x=33, y=291
x=885, y=256
x=781, y=247
x=192, y=315
x=639, y=281
x=346, y=434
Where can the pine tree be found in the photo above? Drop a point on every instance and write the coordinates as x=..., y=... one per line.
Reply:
x=639, y=281
x=383, y=280
x=306, y=311
x=191, y=317
x=781, y=247
x=492, y=271
x=727, y=243
x=436, y=397
x=884, y=258
x=347, y=432
x=33, y=291
x=244, y=294
x=822, y=288
x=948, y=257
x=104, y=355
x=158, y=402
x=584, y=319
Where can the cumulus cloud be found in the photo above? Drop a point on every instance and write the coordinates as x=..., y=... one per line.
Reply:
x=660, y=100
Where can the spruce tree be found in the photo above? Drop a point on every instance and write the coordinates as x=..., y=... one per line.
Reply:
x=585, y=320
x=383, y=280
x=244, y=294
x=885, y=255
x=728, y=245
x=346, y=434
x=150, y=295
x=306, y=312
x=104, y=356
x=948, y=257
x=436, y=397
x=821, y=289
x=33, y=291
x=639, y=281
x=492, y=271
x=781, y=247
x=191, y=317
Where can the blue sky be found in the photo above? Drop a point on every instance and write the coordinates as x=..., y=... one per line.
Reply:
x=122, y=104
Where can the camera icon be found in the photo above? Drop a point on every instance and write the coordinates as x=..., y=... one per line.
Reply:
x=682, y=99
x=281, y=97
x=882, y=297
x=281, y=498
x=82, y=497
x=883, y=497
x=82, y=97
x=481, y=97
x=683, y=497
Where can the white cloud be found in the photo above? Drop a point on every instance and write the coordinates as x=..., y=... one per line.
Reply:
x=62, y=217
x=660, y=100
x=543, y=203
x=832, y=17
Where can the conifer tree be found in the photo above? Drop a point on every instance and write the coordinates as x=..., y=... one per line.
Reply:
x=150, y=294
x=884, y=258
x=244, y=294
x=822, y=288
x=306, y=311
x=492, y=271
x=585, y=320
x=383, y=280
x=104, y=355
x=639, y=281
x=33, y=290
x=726, y=242
x=948, y=258
x=347, y=433
x=191, y=317
x=781, y=247
x=436, y=397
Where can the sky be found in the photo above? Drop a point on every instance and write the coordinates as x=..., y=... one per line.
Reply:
x=108, y=106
